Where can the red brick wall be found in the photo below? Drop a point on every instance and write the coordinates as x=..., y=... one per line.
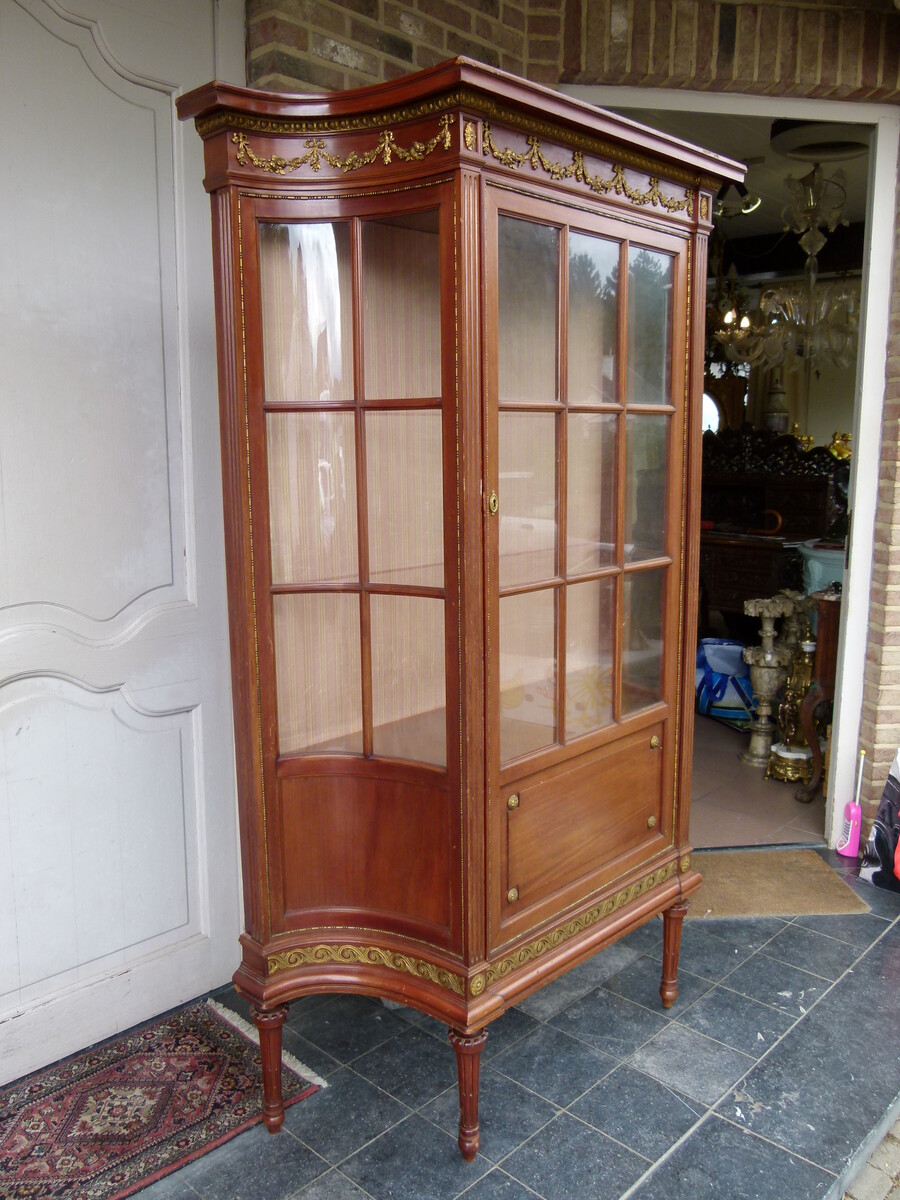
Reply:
x=818, y=48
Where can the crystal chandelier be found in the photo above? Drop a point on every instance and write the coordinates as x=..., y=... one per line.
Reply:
x=803, y=321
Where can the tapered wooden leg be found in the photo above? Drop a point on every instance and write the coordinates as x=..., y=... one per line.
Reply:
x=269, y=1022
x=468, y=1049
x=673, y=918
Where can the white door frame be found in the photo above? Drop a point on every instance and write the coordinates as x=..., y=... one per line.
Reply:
x=870, y=374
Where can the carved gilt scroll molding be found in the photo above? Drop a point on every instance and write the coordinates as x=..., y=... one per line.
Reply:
x=373, y=956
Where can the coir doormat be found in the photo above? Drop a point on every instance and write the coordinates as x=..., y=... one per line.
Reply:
x=769, y=883
x=104, y=1123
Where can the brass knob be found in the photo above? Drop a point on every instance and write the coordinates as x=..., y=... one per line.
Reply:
x=512, y=895
x=493, y=503
x=513, y=801
x=651, y=822
x=654, y=742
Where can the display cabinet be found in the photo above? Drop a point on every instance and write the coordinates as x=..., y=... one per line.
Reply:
x=460, y=327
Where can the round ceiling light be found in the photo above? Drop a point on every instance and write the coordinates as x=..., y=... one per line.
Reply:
x=819, y=141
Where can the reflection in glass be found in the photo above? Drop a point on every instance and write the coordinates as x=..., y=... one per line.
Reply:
x=401, y=301
x=306, y=312
x=403, y=455
x=312, y=497
x=527, y=673
x=527, y=486
x=645, y=486
x=317, y=671
x=589, y=656
x=593, y=280
x=528, y=291
x=591, y=490
x=408, y=689
x=642, y=645
x=650, y=280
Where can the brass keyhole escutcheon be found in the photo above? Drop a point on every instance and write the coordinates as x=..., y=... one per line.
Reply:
x=513, y=801
x=651, y=822
x=654, y=742
x=493, y=503
x=512, y=895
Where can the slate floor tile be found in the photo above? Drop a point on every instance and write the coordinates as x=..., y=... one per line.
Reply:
x=709, y=952
x=498, y=1186
x=639, y=981
x=812, y=951
x=341, y=1118
x=173, y=1187
x=860, y=929
x=307, y=1054
x=508, y=1114
x=255, y=1166
x=646, y=939
x=642, y=1113
x=413, y=1067
x=721, y=1161
x=777, y=984
x=570, y=1159
x=882, y=903
x=506, y=1031
x=347, y=1026
x=553, y=1065
x=736, y=1020
x=693, y=1064
x=412, y=1161
x=610, y=1023
x=747, y=933
x=331, y=1186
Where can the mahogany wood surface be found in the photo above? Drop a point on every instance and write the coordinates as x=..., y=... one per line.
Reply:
x=460, y=884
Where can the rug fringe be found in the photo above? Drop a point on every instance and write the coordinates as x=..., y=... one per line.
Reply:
x=251, y=1032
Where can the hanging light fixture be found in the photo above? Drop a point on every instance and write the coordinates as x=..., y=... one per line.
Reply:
x=817, y=204
x=745, y=203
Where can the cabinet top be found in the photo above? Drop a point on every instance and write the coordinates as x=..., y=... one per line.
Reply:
x=458, y=84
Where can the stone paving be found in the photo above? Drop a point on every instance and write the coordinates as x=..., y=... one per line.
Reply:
x=879, y=1177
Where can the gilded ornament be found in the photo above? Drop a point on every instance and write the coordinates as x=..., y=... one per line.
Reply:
x=704, y=208
x=386, y=148
x=685, y=864
x=470, y=135
x=373, y=956
x=533, y=950
x=535, y=158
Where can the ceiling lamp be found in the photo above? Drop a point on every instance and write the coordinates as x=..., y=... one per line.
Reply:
x=819, y=141
x=745, y=203
x=817, y=204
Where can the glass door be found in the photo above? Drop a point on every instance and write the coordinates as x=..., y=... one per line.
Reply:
x=583, y=451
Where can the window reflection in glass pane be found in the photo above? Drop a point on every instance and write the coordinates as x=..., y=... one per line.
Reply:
x=589, y=656
x=527, y=673
x=408, y=691
x=312, y=497
x=527, y=487
x=528, y=291
x=650, y=279
x=593, y=277
x=401, y=300
x=403, y=455
x=317, y=670
x=306, y=312
x=642, y=645
x=645, y=486
x=591, y=489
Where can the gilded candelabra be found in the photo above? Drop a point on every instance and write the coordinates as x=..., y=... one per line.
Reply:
x=768, y=668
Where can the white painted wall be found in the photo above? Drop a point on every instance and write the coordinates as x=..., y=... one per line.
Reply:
x=869, y=383
x=119, y=893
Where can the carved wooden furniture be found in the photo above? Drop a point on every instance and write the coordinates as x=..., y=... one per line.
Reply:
x=754, y=480
x=821, y=689
x=460, y=375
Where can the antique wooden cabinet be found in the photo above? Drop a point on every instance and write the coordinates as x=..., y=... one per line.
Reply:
x=460, y=324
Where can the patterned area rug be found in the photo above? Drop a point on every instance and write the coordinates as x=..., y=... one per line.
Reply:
x=102, y=1124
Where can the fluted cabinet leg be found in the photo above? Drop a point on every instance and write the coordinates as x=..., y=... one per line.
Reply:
x=673, y=918
x=468, y=1049
x=269, y=1022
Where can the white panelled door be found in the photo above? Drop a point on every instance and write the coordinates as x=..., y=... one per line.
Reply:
x=119, y=892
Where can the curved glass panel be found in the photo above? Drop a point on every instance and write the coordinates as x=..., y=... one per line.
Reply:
x=408, y=686
x=528, y=673
x=642, y=640
x=304, y=271
x=646, y=476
